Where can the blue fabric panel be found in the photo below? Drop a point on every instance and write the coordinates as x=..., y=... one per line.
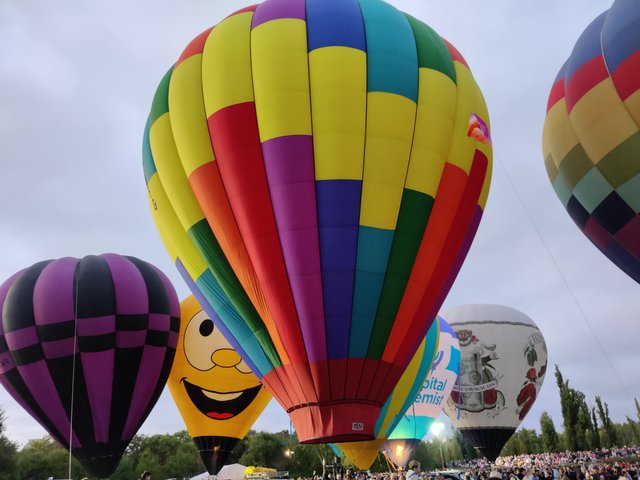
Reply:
x=392, y=58
x=338, y=208
x=334, y=23
x=374, y=246
x=587, y=47
x=620, y=32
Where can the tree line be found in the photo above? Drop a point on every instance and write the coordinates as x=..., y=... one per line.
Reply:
x=585, y=427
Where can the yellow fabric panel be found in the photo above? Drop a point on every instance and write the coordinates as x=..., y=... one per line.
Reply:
x=172, y=174
x=632, y=103
x=226, y=64
x=462, y=145
x=558, y=136
x=172, y=233
x=188, y=119
x=194, y=363
x=401, y=390
x=432, y=136
x=338, y=78
x=390, y=124
x=362, y=454
x=281, y=78
x=601, y=120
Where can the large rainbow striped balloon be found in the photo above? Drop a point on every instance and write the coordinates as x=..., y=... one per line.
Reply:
x=591, y=138
x=317, y=170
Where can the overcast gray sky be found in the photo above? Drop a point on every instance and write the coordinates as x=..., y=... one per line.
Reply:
x=76, y=83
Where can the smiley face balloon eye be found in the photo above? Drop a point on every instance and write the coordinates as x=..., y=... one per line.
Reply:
x=201, y=339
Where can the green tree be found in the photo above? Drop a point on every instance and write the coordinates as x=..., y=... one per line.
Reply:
x=549, y=434
x=267, y=450
x=575, y=415
x=8, y=451
x=596, y=431
x=607, y=425
x=585, y=426
x=44, y=458
x=633, y=426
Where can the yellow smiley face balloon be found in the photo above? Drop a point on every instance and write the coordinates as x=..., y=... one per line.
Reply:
x=216, y=393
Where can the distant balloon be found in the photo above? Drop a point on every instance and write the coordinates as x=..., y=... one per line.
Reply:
x=317, y=170
x=502, y=367
x=591, y=138
x=363, y=454
x=86, y=346
x=216, y=393
x=430, y=400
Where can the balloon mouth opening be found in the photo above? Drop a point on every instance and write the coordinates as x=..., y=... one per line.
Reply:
x=220, y=405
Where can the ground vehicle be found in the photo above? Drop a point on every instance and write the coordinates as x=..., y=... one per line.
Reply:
x=446, y=474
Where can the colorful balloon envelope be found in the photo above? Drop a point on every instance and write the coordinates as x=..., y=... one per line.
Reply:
x=86, y=346
x=363, y=454
x=429, y=401
x=503, y=361
x=216, y=393
x=317, y=170
x=591, y=138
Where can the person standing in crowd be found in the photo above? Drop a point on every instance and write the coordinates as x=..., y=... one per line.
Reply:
x=414, y=470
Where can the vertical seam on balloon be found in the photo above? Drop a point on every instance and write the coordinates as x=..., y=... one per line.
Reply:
x=315, y=190
x=395, y=231
x=305, y=365
x=263, y=327
x=606, y=66
x=226, y=196
x=364, y=156
x=457, y=84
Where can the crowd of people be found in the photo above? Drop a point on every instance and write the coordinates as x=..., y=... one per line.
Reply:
x=605, y=464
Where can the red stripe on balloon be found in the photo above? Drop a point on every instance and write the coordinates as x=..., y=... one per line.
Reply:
x=236, y=142
x=626, y=78
x=556, y=94
x=195, y=47
x=452, y=213
x=584, y=79
x=455, y=54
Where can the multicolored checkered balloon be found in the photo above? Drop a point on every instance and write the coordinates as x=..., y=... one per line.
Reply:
x=591, y=138
x=317, y=170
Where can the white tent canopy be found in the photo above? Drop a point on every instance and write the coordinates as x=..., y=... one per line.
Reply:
x=234, y=471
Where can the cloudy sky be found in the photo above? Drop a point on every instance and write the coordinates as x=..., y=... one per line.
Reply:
x=76, y=83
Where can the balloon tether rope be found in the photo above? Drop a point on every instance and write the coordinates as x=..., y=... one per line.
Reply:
x=562, y=276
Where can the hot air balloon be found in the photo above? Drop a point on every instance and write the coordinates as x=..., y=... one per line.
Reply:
x=503, y=361
x=429, y=401
x=591, y=137
x=317, y=170
x=363, y=454
x=86, y=346
x=216, y=393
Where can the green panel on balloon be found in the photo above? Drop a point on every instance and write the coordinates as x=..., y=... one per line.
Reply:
x=575, y=165
x=592, y=190
x=621, y=164
x=562, y=190
x=630, y=193
x=412, y=220
x=203, y=237
x=432, y=52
